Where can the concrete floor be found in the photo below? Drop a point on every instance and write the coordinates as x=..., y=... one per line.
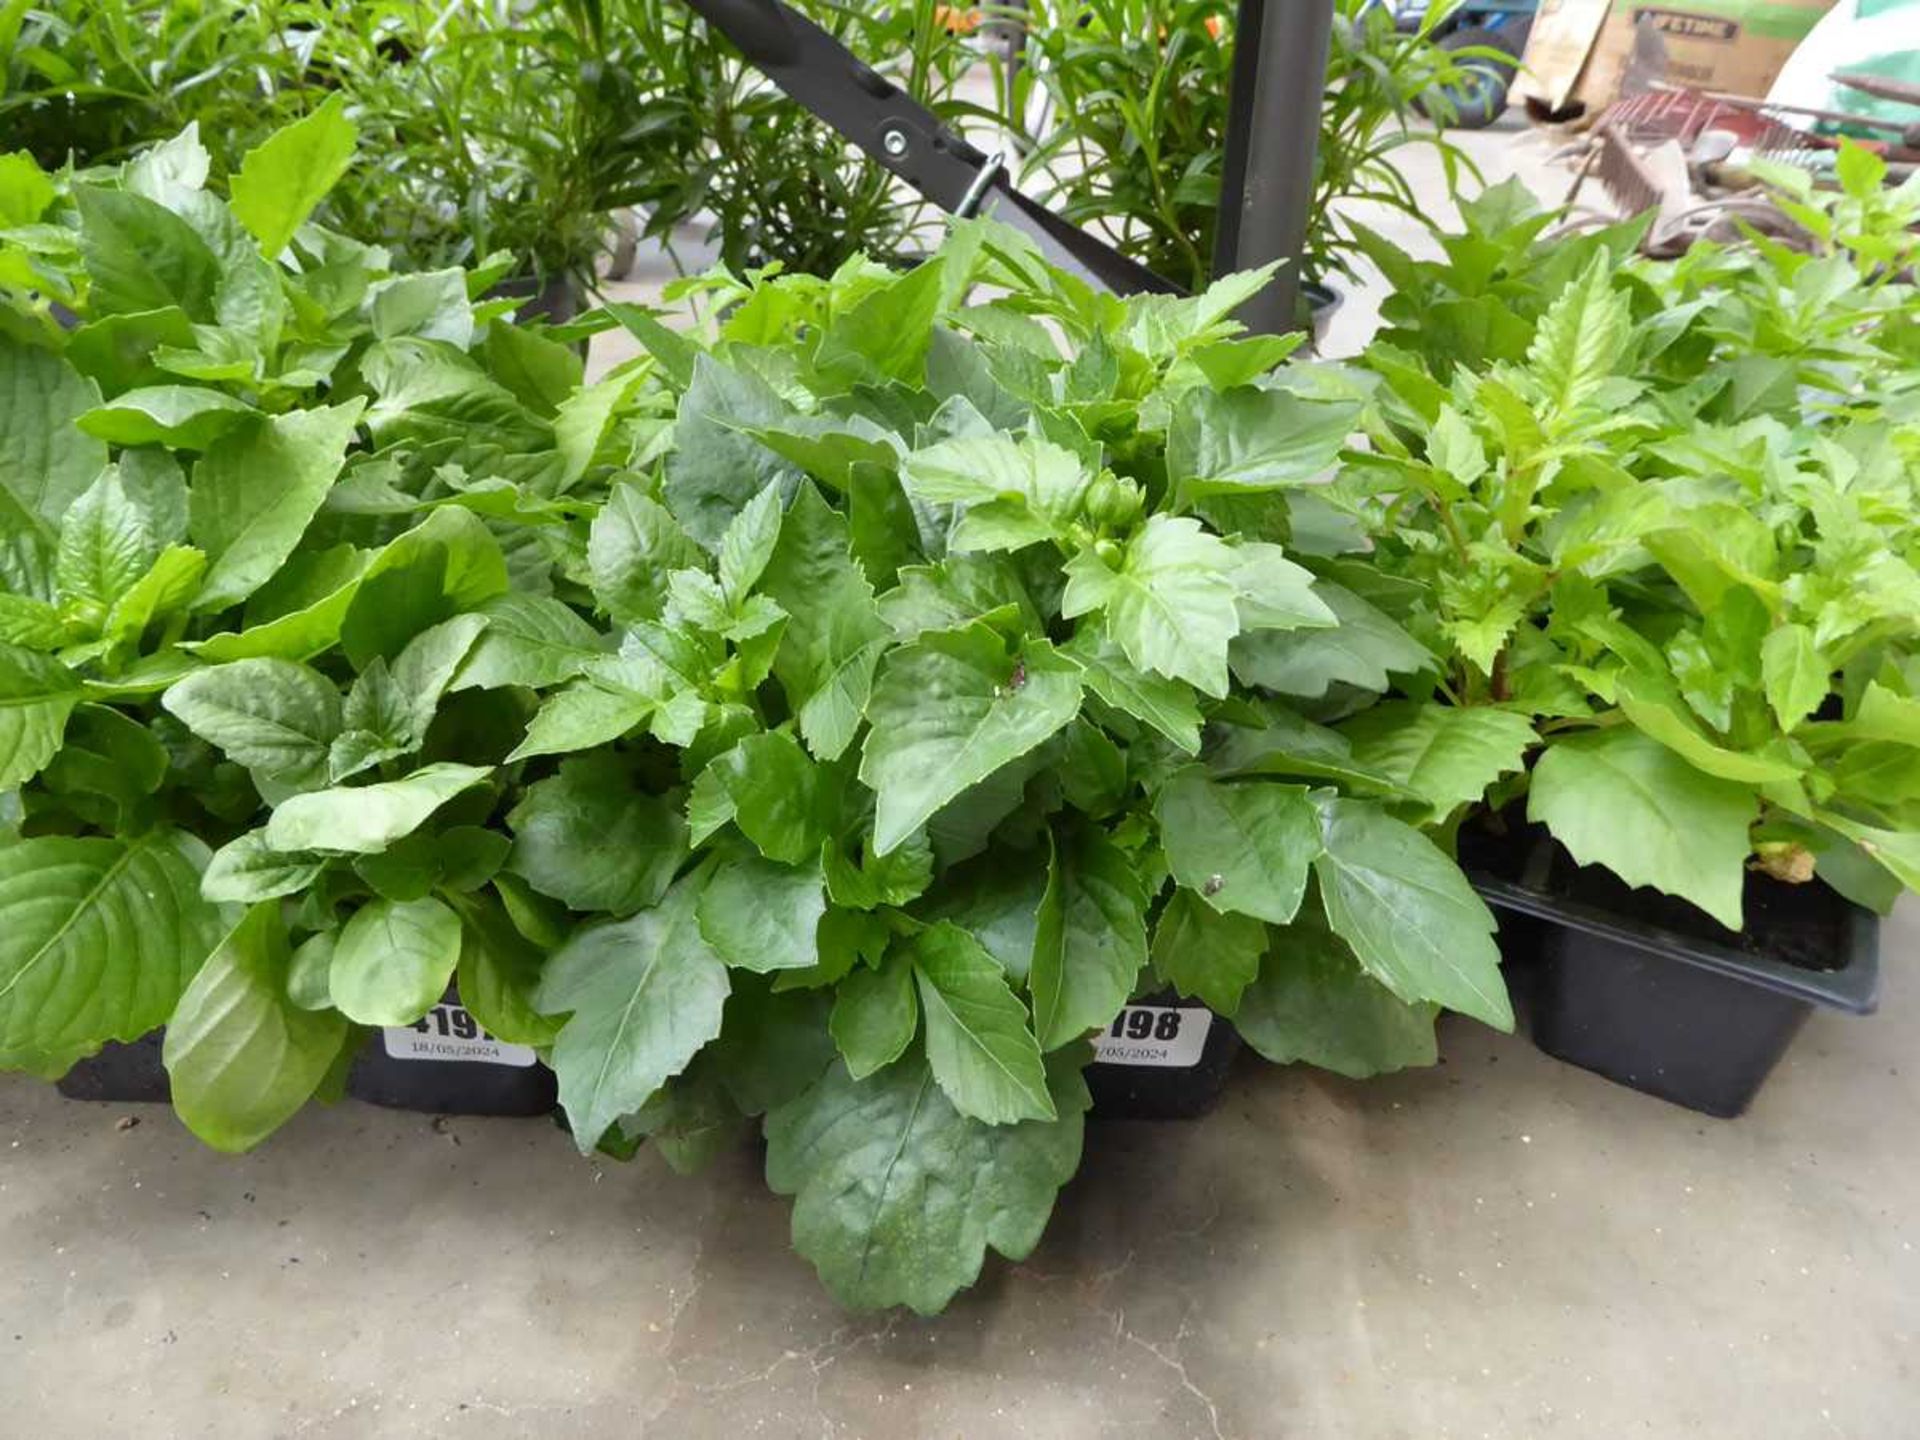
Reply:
x=1502, y=1246
x=1499, y=1247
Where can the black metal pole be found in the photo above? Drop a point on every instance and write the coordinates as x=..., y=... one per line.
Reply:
x=1273, y=136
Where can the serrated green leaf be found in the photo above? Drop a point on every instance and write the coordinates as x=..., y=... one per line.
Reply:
x=241, y=1056
x=959, y=590
x=832, y=449
x=834, y=635
x=1013, y=491
x=1796, y=674
x=390, y=707
x=1445, y=755
x=37, y=693
x=773, y=1043
x=760, y=915
x=716, y=468
x=1207, y=954
x=645, y=994
x=1090, y=940
x=1879, y=774
x=544, y=922
x=1880, y=714
x=1273, y=593
x=157, y=486
x=1244, y=848
x=107, y=767
x=1409, y=915
x=456, y=861
x=1621, y=799
x=247, y=528
x=541, y=371
x=1248, y=439
x=875, y=1015
x=1171, y=603
x=897, y=1195
x=694, y=598
x=590, y=836
x=97, y=940
x=274, y=717
x=530, y=640
x=45, y=462
x=309, y=600
x=408, y=869
x=499, y=975
x=778, y=797
x=996, y=899
x=948, y=711
x=1091, y=768
x=1366, y=649
x=1896, y=851
x=1714, y=550
x=979, y=1044
x=392, y=961
x=31, y=624
x=105, y=546
x=885, y=334
x=140, y=256
x=1272, y=739
x=1454, y=451
x=430, y=304
x=896, y=878
x=582, y=424
x=430, y=391
x=168, y=587
x=634, y=545
x=1312, y=1002
x=1581, y=339
x=581, y=717
x=748, y=543
x=1169, y=706
x=25, y=189
x=355, y=749
x=443, y=567
x=117, y=351
x=283, y=178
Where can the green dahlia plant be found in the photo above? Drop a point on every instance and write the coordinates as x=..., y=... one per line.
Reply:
x=1668, y=513
x=829, y=719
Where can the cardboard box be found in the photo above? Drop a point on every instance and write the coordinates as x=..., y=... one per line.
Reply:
x=1578, y=52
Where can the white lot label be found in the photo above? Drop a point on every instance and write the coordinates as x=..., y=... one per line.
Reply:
x=449, y=1032
x=1154, y=1035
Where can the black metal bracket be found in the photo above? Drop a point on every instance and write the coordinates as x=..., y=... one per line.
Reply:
x=1269, y=160
x=1273, y=136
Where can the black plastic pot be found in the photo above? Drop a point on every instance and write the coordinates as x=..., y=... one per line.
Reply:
x=1163, y=1058
x=1650, y=993
x=120, y=1074
x=447, y=1064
